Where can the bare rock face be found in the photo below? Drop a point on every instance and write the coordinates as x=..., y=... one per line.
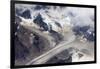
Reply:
x=29, y=44
x=84, y=31
x=20, y=50
x=62, y=57
x=27, y=41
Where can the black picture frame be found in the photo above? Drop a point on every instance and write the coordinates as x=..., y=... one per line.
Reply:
x=12, y=63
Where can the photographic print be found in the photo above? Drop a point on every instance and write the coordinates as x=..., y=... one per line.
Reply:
x=52, y=34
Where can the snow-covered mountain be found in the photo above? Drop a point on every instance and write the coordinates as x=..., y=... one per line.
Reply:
x=59, y=19
x=53, y=23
